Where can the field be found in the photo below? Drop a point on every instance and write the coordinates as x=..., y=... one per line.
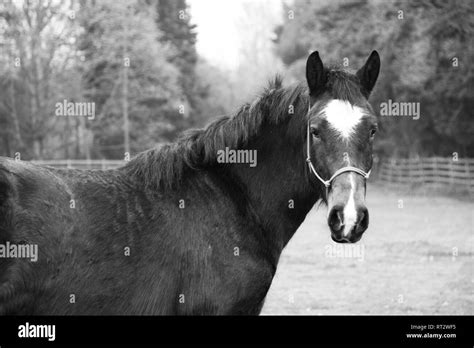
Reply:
x=416, y=258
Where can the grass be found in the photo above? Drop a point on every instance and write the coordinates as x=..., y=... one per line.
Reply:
x=418, y=259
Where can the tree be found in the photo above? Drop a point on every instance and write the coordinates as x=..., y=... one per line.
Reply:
x=258, y=62
x=121, y=47
x=173, y=21
x=36, y=35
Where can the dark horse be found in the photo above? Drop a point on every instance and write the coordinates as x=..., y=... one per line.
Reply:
x=178, y=231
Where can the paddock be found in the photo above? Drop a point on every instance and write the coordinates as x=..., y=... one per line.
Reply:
x=417, y=259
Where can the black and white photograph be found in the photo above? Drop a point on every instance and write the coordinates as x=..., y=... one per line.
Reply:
x=227, y=166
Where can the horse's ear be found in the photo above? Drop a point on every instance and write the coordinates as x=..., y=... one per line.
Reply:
x=369, y=72
x=315, y=74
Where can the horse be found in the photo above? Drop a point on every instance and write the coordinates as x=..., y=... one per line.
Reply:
x=192, y=227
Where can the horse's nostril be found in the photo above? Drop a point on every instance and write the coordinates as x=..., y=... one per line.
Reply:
x=335, y=219
x=363, y=222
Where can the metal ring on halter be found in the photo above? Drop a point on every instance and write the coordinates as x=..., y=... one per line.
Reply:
x=327, y=183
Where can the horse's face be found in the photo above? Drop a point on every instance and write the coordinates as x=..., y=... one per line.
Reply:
x=342, y=127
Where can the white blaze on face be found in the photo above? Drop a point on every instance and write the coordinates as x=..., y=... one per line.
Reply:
x=350, y=212
x=343, y=116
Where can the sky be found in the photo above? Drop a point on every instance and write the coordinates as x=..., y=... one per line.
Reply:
x=219, y=39
x=217, y=31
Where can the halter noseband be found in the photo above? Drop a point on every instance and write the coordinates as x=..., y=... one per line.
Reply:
x=327, y=183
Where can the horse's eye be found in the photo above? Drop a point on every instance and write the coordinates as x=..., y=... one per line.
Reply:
x=372, y=132
x=315, y=132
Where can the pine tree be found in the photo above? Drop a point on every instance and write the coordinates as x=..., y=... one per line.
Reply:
x=173, y=21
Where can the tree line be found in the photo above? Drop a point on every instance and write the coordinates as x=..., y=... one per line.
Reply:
x=136, y=61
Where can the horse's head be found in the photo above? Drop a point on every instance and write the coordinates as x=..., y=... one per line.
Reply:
x=341, y=131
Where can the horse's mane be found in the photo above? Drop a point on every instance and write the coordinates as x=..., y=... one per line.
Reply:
x=197, y=148
x=164, y=165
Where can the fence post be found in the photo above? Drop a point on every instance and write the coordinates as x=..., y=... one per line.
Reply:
x=451, y=172
x=469, y=184
x=390, y=171
x=437, y=174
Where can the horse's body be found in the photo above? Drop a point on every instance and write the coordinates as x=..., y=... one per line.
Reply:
x=173, y=231
x=181, y=260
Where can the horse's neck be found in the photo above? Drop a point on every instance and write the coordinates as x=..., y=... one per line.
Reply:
x=277, y=191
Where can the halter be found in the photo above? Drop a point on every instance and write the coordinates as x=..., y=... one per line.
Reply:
x=327, y=183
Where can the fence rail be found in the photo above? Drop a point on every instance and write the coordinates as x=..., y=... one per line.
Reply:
x=82, y=164
x=432, y=171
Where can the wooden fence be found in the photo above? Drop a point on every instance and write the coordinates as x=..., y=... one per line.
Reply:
x=432, y=171
x=82, y=164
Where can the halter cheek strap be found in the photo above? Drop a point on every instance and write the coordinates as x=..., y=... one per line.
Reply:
x=327, y=183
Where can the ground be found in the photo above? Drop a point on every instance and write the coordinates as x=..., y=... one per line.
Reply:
x=416, y=258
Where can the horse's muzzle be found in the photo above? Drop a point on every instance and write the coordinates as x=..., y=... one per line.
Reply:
x=348, y=226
